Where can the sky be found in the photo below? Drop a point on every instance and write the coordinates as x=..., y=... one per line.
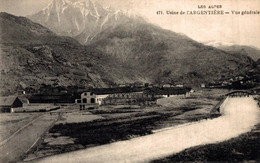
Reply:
x=226, y=29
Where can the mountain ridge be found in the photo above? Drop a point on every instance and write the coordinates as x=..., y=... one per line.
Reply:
x=29, y=59
x=250, y=51
x=80, y=19
x=177, y=58
x=232, y=47
x=128, y=53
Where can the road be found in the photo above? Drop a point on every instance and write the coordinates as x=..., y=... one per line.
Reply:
x=239, y=116
x=13, y=148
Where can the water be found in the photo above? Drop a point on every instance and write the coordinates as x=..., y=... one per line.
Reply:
x=239, y=116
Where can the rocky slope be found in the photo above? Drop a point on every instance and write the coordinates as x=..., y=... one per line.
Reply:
x=32, y=55
x=81, y=19
x=163, y=56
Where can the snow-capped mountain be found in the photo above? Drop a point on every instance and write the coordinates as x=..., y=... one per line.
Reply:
x=81, y=19
x=218, y=43
x=250, y=51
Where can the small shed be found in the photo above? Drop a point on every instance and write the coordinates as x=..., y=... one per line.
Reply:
x=8, y=102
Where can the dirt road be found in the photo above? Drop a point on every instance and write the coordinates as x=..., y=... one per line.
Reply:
x=21, y=141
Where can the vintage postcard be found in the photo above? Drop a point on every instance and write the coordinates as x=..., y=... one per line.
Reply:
x=129, y=81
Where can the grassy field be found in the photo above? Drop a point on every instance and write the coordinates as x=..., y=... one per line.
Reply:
x=123, y=122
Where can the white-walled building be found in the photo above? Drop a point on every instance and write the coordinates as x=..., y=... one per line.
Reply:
x=100, y=98
x=89, y=100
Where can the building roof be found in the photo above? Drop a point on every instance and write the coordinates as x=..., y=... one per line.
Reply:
x=7, y=101
x=166, y=91
x=104, y=91
x=23, y=99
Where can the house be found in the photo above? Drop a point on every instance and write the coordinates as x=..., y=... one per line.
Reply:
x=166, y=86
x=88, y=100
x=24, y=100
x=224, y=83
x=10, y=102
x=187, y=94
x=179, y=85
x=18, y=104
x=240, y=77
x=256, y=91
x=122, y=85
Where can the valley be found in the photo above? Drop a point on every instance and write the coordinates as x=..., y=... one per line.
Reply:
x=101, y=81
x=128, y=53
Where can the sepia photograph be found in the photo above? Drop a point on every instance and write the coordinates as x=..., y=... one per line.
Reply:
x=130, y=81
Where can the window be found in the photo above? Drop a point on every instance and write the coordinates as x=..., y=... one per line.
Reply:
x=85, y=94
x=92, y=100
x=78, y=101
x=84, y=100
x=91, y=93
